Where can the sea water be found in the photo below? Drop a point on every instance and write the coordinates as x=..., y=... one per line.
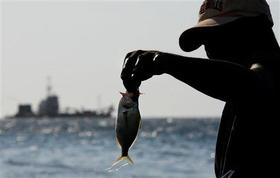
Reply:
x=85, y=148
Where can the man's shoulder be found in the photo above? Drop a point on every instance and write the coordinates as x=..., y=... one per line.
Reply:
x=266, y=56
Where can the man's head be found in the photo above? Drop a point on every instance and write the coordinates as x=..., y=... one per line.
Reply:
x=240, y=40
x=230, y=29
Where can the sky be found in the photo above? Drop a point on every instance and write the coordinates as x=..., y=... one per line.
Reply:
x=81, y=45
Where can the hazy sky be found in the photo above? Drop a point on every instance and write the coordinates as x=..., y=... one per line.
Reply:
x=81, y=46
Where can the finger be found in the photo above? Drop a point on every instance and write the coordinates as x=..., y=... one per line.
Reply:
x=131, y=58
x=133, y=53
x=143, y=67
x=131, y=85
x=129, y=64
x=144, y=61
x=128, y=54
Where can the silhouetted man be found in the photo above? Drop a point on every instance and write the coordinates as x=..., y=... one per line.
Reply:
x=242, y=71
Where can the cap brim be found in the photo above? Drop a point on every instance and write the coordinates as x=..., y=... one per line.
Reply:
x=194, y=37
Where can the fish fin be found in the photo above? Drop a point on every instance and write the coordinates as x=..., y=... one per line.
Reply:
x=128, y=159
x=118, y=160
x=140, y=124
x=118, y=142
x=123, y=94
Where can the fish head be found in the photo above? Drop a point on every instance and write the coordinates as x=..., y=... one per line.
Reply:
x=126, y=100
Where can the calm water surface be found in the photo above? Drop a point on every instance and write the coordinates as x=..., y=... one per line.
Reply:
x=84, y=148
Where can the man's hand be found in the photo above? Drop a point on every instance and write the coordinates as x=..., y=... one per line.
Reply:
x=139, y=66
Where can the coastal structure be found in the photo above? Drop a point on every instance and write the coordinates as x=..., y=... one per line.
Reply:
x=49, y=107
x=24, y=110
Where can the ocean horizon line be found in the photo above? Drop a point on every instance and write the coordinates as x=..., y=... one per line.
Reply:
x=114, y=117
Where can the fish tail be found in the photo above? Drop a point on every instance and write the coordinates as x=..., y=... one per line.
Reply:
x=118, y=160
x=127, y=158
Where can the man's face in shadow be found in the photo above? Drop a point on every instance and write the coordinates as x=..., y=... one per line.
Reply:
x=240, y=40
x=229, y=44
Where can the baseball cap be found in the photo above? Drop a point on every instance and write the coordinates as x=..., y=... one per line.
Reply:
x=217, y=12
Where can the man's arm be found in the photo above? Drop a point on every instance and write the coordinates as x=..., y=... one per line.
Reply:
x=219, y=79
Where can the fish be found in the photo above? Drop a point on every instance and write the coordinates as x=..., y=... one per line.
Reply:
x=127, y=125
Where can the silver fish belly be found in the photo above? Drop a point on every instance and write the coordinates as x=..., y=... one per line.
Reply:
x=128, y=123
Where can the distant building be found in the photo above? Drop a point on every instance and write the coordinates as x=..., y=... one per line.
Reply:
x=24, y=110
x=49, y=106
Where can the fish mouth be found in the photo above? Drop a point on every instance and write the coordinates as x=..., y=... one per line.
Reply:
x=133, y=95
